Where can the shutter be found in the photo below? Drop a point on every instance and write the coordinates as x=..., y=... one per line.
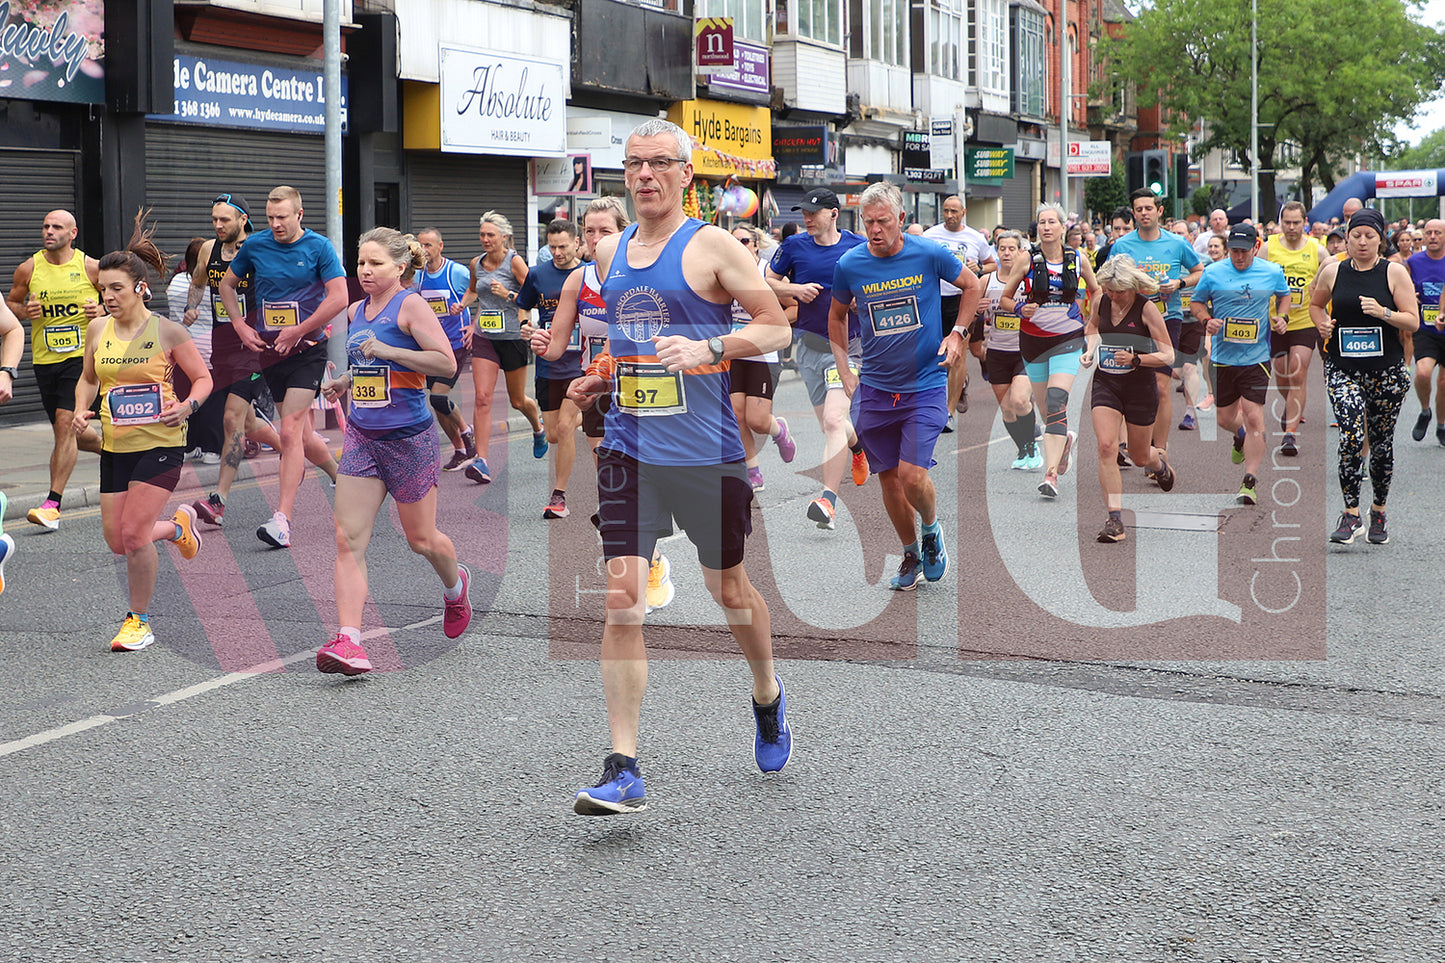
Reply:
x=32, y=184
x=1018, y=196
x=187, y=166
x=451, y=192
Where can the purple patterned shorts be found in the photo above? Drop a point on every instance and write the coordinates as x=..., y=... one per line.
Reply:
x=408, y=467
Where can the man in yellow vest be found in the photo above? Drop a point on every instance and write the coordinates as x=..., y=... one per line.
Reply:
x=1300, y=255
x=55, y=291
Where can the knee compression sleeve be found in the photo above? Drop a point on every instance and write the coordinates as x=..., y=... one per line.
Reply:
x=1056, y=415
x=442, y=405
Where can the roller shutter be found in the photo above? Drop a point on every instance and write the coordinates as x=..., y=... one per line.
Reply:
x=1018, y=195
x=32, y=183
x=450, y=192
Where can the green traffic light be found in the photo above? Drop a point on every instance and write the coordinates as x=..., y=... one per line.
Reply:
x=1156, y=187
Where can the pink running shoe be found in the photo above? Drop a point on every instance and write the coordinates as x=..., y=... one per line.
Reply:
x=457, y=614
x=342, y=655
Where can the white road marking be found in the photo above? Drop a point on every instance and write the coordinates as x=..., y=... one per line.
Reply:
x=190, y=692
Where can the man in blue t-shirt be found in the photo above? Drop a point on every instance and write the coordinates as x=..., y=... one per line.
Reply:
x=802, y=269
x=1427, y=270
x=298, y=287
x=1171, y=261
x=900, y=395
x=442, y=283
x=1232, y=299
x=560, y=415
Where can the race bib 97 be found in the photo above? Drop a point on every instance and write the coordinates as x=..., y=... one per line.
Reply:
x=648, y=388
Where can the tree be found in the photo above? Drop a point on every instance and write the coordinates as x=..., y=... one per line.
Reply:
x=1333, y=77
x=1104, y=195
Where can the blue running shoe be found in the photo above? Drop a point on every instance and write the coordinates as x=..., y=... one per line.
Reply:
x=773, y=745
x=539, y=444
x=907, y=578
x=935, y=556
x=477, y=471
x=620, y=790
x=7, y=549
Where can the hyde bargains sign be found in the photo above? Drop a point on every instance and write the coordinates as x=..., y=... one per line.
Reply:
x=227, y=93
x=499, y=103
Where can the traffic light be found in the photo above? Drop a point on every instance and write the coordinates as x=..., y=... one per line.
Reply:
x=1134, y=166
x=1156, y=171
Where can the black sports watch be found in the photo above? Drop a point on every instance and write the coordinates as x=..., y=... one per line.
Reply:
x=195, y=406
x=14, y=375
x=715, y=345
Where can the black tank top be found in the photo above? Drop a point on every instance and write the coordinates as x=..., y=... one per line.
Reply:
x=1128, y=333
x=1360, y=343
x=216, y=269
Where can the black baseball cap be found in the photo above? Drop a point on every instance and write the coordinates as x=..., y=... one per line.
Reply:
x=817, y=199
x=1242, y=237
x=238, y=201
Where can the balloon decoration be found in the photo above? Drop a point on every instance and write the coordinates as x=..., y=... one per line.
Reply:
x=738, y=201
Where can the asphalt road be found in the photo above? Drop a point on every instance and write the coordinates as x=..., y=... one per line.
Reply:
x=1063, y=751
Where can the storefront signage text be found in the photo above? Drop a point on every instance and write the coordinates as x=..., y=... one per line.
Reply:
x=52, y=51
x=227, y=93
x=496, y=103
x=748, y=73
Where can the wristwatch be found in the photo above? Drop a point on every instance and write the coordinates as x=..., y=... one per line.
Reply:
x=715, y=345
x=195, y=406
x=11, y=372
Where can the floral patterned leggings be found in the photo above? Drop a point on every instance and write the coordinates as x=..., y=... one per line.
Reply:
x=1367, y=404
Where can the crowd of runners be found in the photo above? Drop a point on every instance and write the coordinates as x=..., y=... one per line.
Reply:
x=663, y=340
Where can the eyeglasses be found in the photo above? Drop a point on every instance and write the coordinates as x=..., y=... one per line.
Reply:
x=226, y=199
x=659, y=165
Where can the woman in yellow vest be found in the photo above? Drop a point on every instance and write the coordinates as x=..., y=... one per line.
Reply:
x=129, y=356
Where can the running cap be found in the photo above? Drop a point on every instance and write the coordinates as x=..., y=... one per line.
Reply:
x=817, y=199
x=237, y=201
x=1368, y=217
x=1242, y=237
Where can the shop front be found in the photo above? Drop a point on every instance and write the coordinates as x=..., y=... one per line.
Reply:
x=732, y=159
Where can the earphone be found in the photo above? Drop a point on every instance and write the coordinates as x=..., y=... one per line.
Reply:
x=139, y=286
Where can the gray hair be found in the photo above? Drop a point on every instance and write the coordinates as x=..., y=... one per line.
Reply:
x=1014, y=236
x=657, y=127
x=881, y=192
x=495, y=217
x=1050, y=206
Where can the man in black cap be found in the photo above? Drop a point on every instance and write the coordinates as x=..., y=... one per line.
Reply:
x=802, y=269
x=1233, y=299
x=235, y=370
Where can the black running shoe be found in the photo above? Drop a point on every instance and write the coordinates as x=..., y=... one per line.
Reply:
x=1422, y=425
x=1345, y=533
x=1377, y=534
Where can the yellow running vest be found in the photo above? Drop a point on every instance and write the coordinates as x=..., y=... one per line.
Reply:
x=135, y=387
x=62, y=290
x=1300, y=268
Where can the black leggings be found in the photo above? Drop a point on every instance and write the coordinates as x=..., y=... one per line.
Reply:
x=1367, y=404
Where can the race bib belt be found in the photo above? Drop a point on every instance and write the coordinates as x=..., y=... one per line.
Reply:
x=1109, y=360
x=832, y=379
x=218, y=307
x=595, y=346
x=1361, y=343
x=648, y=388
x=370, y=386
x=1006, y=322
x=894, y=316
x=63, y=339
x=279, y=315
x=491, y=321
x=1241, y=330
x=134, y=404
